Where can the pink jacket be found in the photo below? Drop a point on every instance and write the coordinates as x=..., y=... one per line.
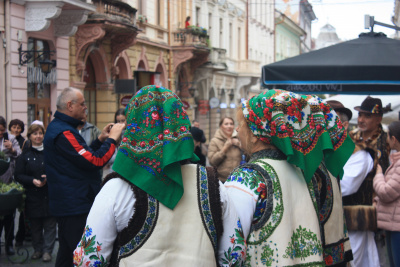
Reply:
x=387, y=189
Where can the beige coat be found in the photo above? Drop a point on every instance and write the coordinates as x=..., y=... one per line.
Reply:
x=224, y=162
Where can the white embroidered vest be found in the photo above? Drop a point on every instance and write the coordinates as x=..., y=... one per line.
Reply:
x=290, y=236
x=179, y=237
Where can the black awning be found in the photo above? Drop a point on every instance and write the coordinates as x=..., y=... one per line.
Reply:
x=369, y=64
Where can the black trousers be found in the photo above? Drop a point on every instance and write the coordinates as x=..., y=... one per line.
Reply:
x=70, y=230
x=8, y=223
x=20, y=236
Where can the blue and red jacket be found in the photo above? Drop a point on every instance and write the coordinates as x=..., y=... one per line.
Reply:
x=72, y=168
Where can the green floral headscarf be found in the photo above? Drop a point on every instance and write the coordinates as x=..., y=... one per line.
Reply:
x=303, y=127
x=156, y=139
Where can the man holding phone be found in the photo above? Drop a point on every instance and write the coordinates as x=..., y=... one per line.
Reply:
x=72, y=169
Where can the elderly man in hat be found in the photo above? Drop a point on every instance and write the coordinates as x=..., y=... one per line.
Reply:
x=370, y=134
x=356, y=187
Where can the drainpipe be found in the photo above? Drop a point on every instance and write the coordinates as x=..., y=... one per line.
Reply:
x=2, y=59
x=170, y=49
x=6, y=61
x=247, y=31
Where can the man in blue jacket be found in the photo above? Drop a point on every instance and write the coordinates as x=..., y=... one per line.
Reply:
x=72, y=169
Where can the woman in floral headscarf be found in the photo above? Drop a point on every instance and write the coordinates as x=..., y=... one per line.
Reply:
x=157, y=209
x=289, y=205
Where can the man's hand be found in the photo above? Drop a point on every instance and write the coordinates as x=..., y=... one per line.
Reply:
x=112, y=130
x=105, y=132
x=116, y=130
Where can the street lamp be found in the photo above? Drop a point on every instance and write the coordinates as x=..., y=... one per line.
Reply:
x=31, y=55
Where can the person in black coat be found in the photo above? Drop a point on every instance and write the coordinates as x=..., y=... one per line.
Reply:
x=199, y=138
x=17, y=127
x=30, y=172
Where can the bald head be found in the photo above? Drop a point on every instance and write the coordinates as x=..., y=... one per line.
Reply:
x=72, y=103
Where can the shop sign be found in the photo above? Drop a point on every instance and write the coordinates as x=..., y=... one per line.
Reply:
x=186, y=104
x=125, y=100
x=203, y=106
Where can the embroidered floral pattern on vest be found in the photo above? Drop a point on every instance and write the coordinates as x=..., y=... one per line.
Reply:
x=277, y=212
x=326, y=208
x=145, y=231
x=304, y=243
x=204, y=202
x=334, y=254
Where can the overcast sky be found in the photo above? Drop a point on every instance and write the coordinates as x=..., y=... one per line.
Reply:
x=347, y=16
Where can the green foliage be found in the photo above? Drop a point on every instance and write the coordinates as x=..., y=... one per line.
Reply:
x=3, y=156
x=196, y=30
x=4, y=188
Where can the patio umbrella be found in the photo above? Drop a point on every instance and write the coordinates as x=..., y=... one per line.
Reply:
x=369, y=64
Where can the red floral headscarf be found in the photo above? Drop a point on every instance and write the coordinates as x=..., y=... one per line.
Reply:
x=303, y=127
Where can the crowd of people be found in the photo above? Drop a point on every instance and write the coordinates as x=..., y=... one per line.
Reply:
x=311, y=192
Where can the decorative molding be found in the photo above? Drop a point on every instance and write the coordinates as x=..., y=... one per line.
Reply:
x=143, y=58
x=181, y=56
x=121, y=42
x=79, y=85
x=69, y=20
x=38, y=15
x=85, y=35
x=79, y=67
x=104, y=86
x=199, y=60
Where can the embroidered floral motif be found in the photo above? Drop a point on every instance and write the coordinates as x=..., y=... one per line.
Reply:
x=334, y=254
x=235, y=254
x=146, y=230
x=89, y=246
x=326, y=208
x=304, y=243
x=205, y=207
x=312, y=194
x=268, y=255
x=277, y=211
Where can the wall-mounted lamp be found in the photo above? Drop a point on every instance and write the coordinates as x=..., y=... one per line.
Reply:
x=221, y=92
x=192, y=90
x=231, y=94
x=31, y=55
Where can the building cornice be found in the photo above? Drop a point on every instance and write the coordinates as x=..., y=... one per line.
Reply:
x=66, y=15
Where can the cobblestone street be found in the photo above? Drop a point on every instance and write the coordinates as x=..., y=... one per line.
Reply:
x=21, y=255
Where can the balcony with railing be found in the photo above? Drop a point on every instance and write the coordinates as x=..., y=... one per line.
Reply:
x=217, y=58
x=113, y=11
x=192, y=36
x=249, y=66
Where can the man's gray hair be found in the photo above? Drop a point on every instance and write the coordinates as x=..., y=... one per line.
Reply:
x=68, y=94
x=343, y=117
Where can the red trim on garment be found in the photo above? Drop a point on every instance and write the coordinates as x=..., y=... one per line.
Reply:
x=87, y=154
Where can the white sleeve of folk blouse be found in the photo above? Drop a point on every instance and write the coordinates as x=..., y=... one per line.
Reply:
x=232, y=247
x=110, y=213
x=355, y=171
